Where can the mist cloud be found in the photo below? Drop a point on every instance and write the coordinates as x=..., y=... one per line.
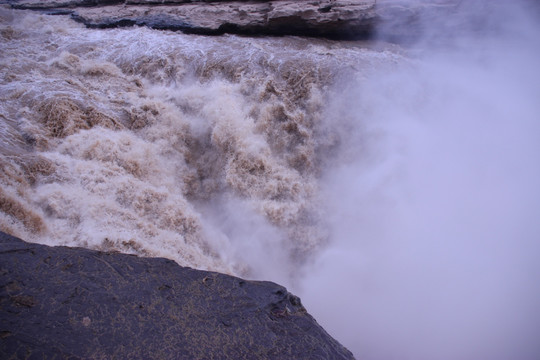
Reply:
x=434, y=220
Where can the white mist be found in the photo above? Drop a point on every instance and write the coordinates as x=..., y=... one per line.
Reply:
x=435, y=205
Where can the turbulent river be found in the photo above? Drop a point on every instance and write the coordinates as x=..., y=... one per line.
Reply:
x=395, y=189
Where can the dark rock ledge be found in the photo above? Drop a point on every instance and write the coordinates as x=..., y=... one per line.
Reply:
x=326, y=18
x=71, y=303
x=393, y=20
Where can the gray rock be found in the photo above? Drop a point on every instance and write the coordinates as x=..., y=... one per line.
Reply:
x=393, y=20
x=60, y=302
x=326, y=18
x=53, y=4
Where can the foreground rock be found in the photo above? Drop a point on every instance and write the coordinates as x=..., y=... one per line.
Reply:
x=76, y=303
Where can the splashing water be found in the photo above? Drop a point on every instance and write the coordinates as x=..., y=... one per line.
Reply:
x=130, y=139
x=394, y=189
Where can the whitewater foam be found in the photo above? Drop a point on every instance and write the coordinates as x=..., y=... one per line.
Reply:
x=138, y=131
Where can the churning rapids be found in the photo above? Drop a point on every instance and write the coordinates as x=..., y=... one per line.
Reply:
x=396, y=190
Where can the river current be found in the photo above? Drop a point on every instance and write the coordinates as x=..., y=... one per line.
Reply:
x=394, y=188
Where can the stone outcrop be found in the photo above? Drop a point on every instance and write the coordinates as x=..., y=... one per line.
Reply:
x=392, y=20
x=59, y=302
x=326, y=18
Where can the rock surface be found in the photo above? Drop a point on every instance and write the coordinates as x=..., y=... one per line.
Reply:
x=328, y=18
x=59, y=302
x=338, y=19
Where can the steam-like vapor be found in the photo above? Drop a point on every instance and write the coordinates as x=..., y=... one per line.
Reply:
x=435, y=204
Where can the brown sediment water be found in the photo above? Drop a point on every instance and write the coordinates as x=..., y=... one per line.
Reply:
x=136, y=140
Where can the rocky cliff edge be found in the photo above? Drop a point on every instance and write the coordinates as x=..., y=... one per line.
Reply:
x=71, y=303
x=338, y=19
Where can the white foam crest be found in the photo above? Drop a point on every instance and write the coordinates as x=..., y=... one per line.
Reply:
x=115, y=191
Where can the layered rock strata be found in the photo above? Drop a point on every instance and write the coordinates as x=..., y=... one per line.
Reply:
x=339, y=19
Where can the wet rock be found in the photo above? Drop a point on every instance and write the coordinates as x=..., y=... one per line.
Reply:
x=393, y=20
x=76, y=303
x=52, y=4
x=326, y=18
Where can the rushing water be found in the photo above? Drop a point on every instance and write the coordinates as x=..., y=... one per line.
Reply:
x=395, y=190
